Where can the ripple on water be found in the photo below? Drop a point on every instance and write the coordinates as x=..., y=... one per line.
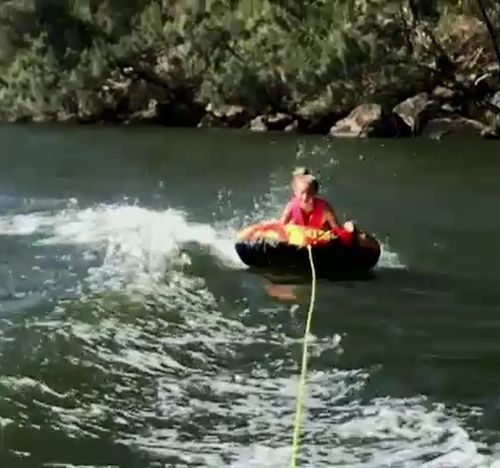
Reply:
x=146, y=358
x=165, y=378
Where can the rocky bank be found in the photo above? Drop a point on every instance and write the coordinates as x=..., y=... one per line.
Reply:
x=392, y=72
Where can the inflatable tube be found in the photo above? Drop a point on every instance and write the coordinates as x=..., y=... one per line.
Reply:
x=336, y=252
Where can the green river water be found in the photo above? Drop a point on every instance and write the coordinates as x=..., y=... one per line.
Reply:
x=131, y=335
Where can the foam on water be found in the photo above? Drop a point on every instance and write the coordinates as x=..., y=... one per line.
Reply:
x=129, y=243
x=132, y=243
x=179, y=352
x=179, y=366
x=183, y=364
x=140, y=233
x=389, y=259
x=380, y=432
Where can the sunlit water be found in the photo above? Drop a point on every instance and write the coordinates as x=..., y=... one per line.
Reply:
x=132, y=335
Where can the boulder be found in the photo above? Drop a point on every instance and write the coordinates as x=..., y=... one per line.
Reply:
x=293, y=127
x=491, y=133
x=64, y=116
x=359, y=123
x=278, y=121
x=258, y=124
x=148, y=114
x=369, y=120
x=443, y=93
x=495, y=100
x=210, y=121
x=416, y=111
x=437, y=128
x=44, y=117
x=229, y=115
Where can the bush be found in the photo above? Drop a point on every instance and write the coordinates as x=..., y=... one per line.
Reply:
x=316, y=57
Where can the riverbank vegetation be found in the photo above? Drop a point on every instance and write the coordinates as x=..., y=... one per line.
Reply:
x=344, y=67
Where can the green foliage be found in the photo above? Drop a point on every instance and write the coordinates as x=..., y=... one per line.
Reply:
x=308, y=57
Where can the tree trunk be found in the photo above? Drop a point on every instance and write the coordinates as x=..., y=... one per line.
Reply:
x=406, y=30
x=491, y=30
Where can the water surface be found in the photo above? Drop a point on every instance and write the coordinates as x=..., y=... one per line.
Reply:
x=131, y=335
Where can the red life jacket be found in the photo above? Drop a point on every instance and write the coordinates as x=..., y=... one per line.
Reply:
x=313, y=219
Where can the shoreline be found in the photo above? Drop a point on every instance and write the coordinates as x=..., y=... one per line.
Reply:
x=352, y=127
x=440, y=111
x=362, y=72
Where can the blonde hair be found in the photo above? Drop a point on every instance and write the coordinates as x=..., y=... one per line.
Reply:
x=308, y=178
x=300, y=171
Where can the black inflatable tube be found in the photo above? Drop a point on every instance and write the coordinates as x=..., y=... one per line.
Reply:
x=333, y=259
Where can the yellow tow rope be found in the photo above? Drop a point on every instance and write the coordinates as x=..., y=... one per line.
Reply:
x=303, y=373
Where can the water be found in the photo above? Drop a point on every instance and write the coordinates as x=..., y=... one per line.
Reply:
x=131, y=335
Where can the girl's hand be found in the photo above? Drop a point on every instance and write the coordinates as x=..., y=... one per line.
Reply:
x=349, y=226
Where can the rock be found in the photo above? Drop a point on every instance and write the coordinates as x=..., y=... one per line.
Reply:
x=278, y=121
x=437, y=128
x=491, y=133
x=448, y=108
x=495, y=100
x=368, y=120
x=292, y=127
x=66, y=117
x=149, y=114
x=415, y=111
x=43, y=118
x=210, y=121
x=359, y=123
x=229, y=115
x=236, y=116
x=258, y=124
x=493, y=130
x=443, y=93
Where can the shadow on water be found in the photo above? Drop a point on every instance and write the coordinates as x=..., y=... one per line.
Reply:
x=381, y=280
x=294, y=284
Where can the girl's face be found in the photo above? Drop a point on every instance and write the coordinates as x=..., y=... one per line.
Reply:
x=304, y=192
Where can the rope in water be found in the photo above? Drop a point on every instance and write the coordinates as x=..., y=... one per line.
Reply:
x=303, y=373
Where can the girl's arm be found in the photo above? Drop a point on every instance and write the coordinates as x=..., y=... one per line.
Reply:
x=287, y=214
x=331, y=217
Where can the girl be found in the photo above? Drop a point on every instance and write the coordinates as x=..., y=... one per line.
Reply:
x=306, y=208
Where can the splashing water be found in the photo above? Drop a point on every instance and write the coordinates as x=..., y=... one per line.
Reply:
x=138, y=231
x=131, y=243
x=389, y=259
x=176, y=358
x=135, y=243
